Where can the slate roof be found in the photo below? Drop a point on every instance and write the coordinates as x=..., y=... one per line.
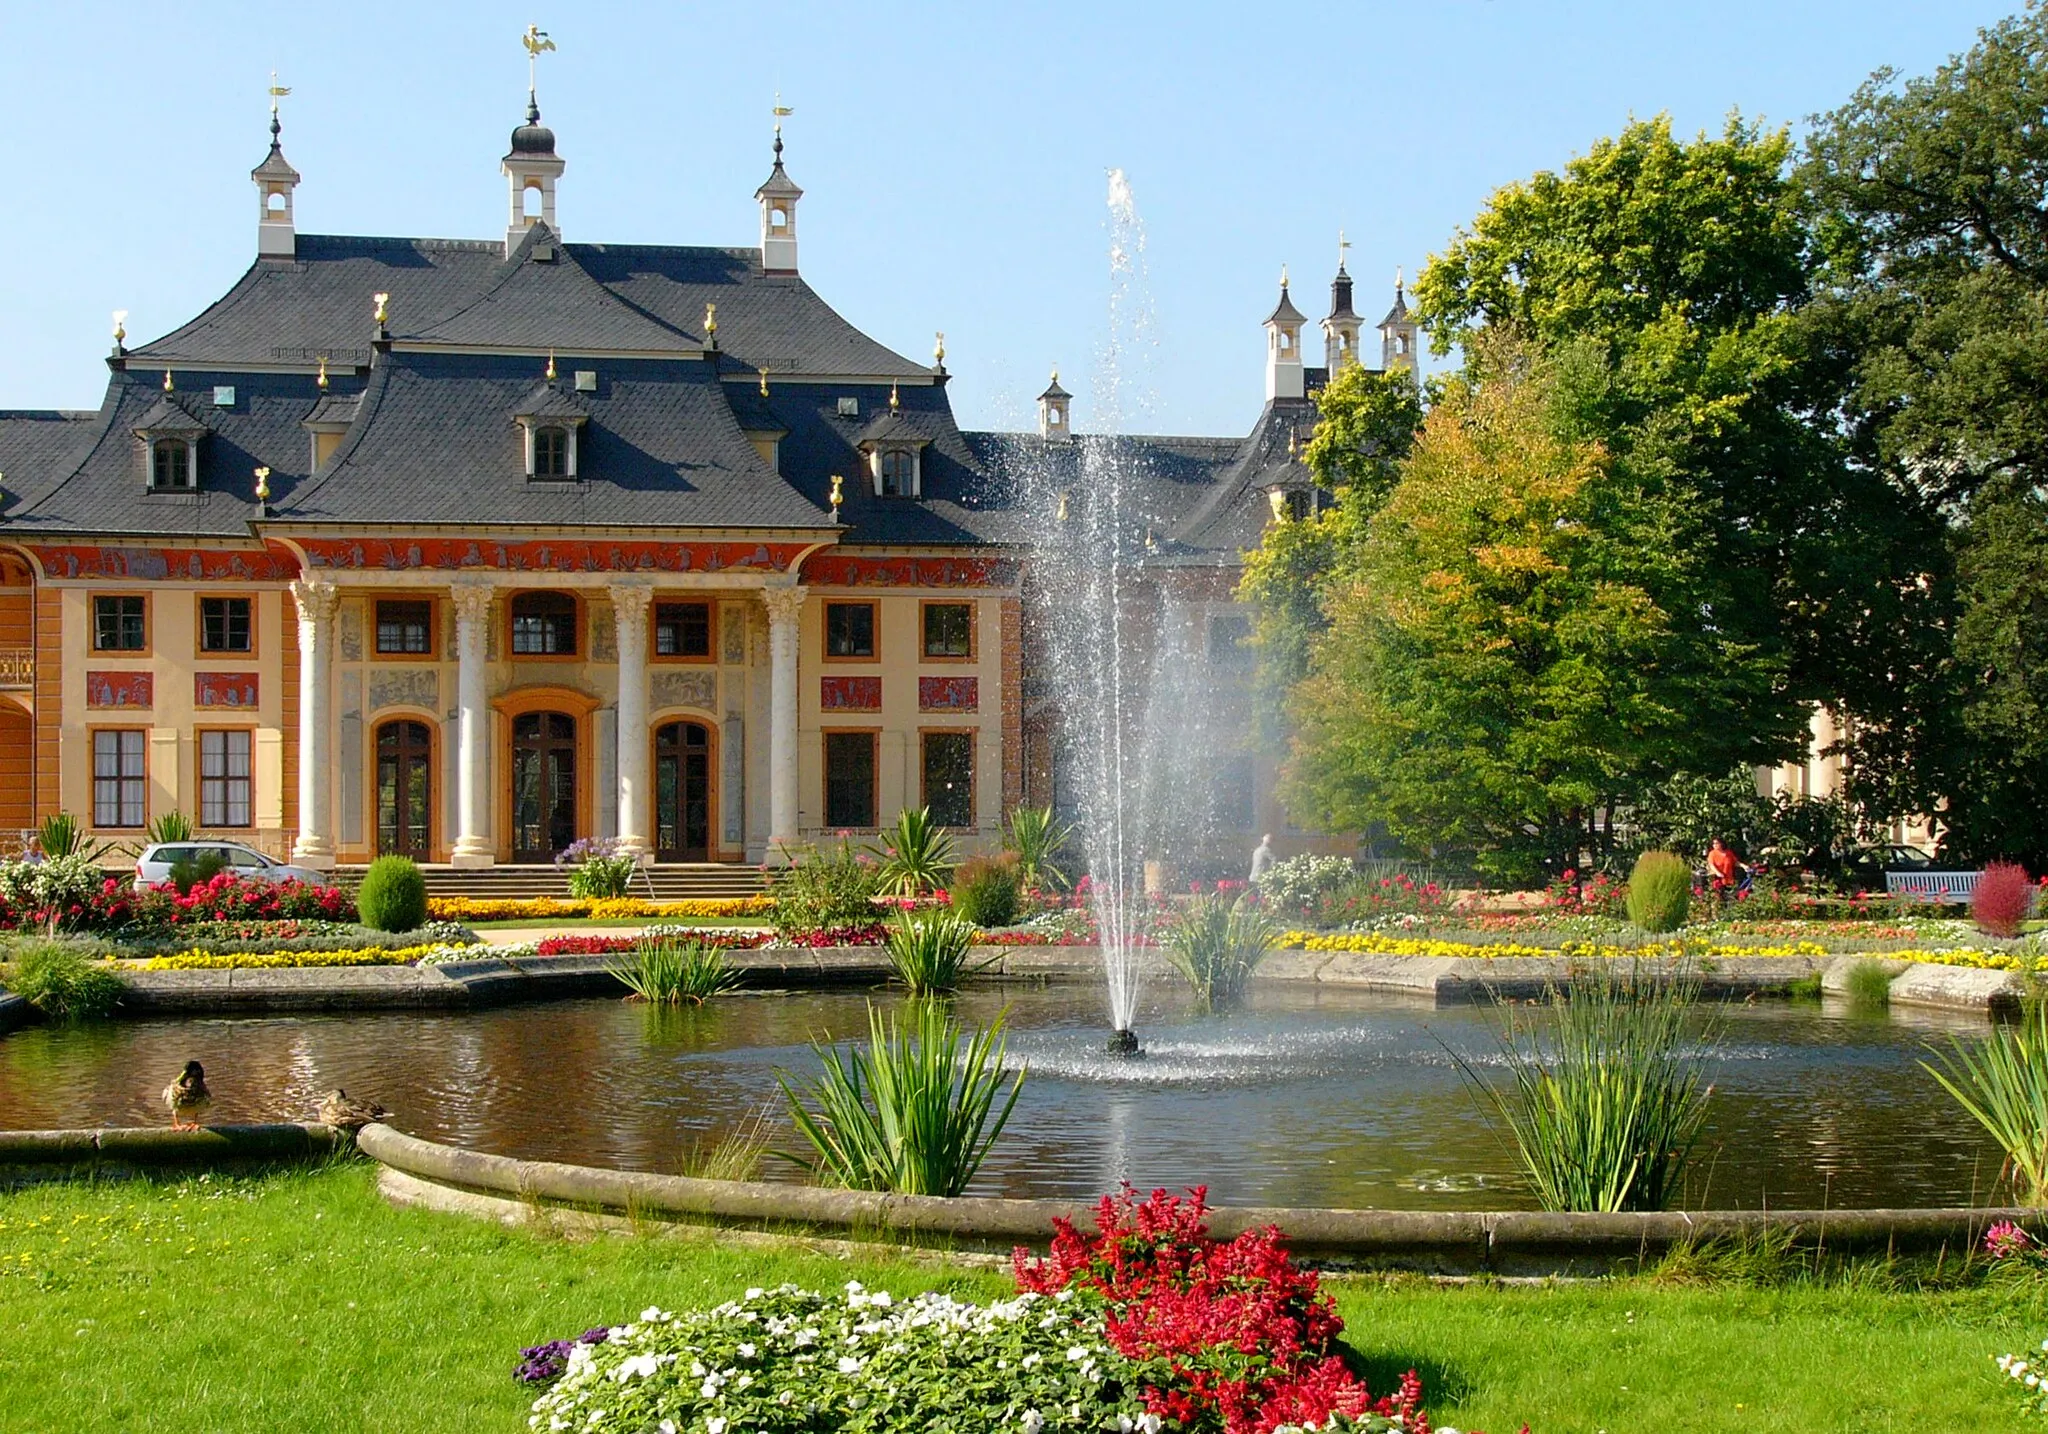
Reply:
x=435, y=442
x=39, y=446
x=1233, y=513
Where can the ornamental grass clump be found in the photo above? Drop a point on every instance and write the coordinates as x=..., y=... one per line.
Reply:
x=1604, y=1107
x=916, y=857
x=2002, y=1081
x=393, y=896
x=61, y=981
x=986, y=889
x=669, y=972
x=915, y=1111
x=2002, y=899
x=928, y=950
x=1037, y=837
x=1216, y=942
x=1659, y=891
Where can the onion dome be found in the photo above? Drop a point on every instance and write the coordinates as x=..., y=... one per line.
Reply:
x=533, y=137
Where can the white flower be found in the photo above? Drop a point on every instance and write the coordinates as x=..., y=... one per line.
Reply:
x=652, y=1314
x=880, y=1297
x=667, y=1426
x=848, y=1364
x=746, y=1351
x=1150, y=1424
x=784, y=1397
x=1032, y=1360
x=715, y=1424
x=756, y=1292
x=1033, y=1421
x=1077, y=1353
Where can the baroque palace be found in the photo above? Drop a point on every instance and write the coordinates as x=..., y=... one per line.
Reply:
x=469, y=549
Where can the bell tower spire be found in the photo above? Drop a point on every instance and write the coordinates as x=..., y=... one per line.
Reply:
x=778, y=196
x=1341, y=328
x=276, y=236
x=531, y=166
x=1284, y=375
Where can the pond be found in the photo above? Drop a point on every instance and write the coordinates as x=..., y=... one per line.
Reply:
x=1305, y=1097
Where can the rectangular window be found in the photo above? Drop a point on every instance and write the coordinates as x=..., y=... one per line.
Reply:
x=849, y=779
x=543, y=625
x=682, y=629
x=224, y=779
x=850, y=629
x=120, y=782
x=948, y=629
x=405, y=629
x=949, y=777
x=120, y=624
x=224, y=624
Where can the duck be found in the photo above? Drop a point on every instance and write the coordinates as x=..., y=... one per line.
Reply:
x=187, y=1097
x=344, y=1112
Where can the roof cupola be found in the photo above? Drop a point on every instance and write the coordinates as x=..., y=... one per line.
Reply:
x=1397, y=333
x=1284, y=377
x=1341, y=329
x=531, y=166
x=1055, y=417
x=778, y=196
x=276, y=236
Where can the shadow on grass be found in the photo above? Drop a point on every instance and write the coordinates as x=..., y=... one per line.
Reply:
x=1382, y=1370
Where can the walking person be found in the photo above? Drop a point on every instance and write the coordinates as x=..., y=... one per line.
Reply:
x=1263, y=858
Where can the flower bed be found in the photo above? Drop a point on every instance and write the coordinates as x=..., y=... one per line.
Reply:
x=200, y=959
x=1145, y=1325
x=1376, y=943
x=722, y=937
x=613, y=908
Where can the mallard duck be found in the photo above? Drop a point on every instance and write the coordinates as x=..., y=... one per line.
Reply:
x=187, y=1097
x=344, y=1112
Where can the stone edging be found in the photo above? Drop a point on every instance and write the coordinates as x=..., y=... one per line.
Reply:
x=1434, y=980
x=13, y=1011
x=430, y=1174
x=126, y=1146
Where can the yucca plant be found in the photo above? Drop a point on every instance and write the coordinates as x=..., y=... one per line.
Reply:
x=1037, y=836
x=2002, y=1081
x=915, y=1111
x=1604, y=1109
x=1216, y=943
x=916, y=857
x=173, y=825
x=59, y=834
x=671, y=973
x=928, y=950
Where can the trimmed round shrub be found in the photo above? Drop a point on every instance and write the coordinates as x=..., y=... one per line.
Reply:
x=2002, y=899
x=393, y=896
x=985, y=889
x=1659, y=891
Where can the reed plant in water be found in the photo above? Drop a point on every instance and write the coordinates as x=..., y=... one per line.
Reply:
x=915, y=1111
x=2002, y=1080
x=671, y=973
x=928, y=950
x=1216, y=943
x=1604, y=1102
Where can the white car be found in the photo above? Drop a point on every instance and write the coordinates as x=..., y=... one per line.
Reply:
x=153, y=866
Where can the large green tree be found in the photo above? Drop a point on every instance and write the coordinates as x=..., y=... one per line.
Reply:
x=1514, y=645
x=1933, y=305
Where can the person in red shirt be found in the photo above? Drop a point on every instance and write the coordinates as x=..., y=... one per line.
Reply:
x=1722, y=863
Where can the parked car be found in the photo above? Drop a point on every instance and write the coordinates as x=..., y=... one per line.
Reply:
x=153, y=866
x=1864, y=867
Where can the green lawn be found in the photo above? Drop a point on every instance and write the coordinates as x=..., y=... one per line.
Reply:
x=303, y=1302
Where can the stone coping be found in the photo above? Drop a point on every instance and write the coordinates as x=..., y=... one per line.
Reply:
x=492, y=979
x=24, y=1151
x=13, y=1011
x=430, y=1174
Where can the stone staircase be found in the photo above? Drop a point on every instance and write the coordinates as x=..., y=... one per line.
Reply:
x=681, y=881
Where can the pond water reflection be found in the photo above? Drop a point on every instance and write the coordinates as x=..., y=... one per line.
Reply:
x=1304, y=1098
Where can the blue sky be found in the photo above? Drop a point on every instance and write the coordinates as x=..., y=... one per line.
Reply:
x=953, y=156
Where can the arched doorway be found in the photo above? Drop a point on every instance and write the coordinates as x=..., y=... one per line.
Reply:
x=682, y=792
x=543, y=785
x=405, y=790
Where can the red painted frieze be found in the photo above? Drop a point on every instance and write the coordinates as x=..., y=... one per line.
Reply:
x=948, y=694
x=206, y=565
x=565, y=555
x=850, y=694
x=843, y=570
x=223, y=689
x=120, y=689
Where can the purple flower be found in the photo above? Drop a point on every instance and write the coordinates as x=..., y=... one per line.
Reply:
x=2006, y=1239
x=542, y=1363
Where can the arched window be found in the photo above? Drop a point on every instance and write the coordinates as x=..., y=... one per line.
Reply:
x=543, y=625
x=551, y=453
x=170, y=463
x=897, y=467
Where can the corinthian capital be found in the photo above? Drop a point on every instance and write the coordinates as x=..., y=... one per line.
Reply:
x=316, y=600
x=630, y=602
x=783, y=604
x=472, y=601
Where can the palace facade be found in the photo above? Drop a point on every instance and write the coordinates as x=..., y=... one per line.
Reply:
x=469, y=549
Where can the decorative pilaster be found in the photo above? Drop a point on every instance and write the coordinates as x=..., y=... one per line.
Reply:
x=473, y=844
x=785, y=609
x=317, y=602
x=630, y=603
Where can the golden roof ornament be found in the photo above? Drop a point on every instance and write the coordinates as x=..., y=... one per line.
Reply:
x=383, y=311
x=263, y=485
x=120, y=327
x=939, y=349
x=838, y=494
x=711, y=324
x=551, y=366
x=893, y=403
x=169, y=387
x=321, y=378
x=764, y=383
x=1277, y=501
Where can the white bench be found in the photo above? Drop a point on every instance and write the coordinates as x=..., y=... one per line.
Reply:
x=1952, y=888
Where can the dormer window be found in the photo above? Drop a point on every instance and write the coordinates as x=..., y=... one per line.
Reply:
x=895, y=473
x=171, y=465
x=551, y=453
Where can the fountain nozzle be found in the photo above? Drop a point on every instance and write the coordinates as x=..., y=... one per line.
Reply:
x=1124, y=1043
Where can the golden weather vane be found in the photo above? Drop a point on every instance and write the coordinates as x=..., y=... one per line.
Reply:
x=1342, y=245
x=277, y=91
x=535, y=40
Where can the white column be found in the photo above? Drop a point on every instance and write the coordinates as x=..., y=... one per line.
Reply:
x=473, y=844
x=785, y=605
x=316, y=602
x=630, y=602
